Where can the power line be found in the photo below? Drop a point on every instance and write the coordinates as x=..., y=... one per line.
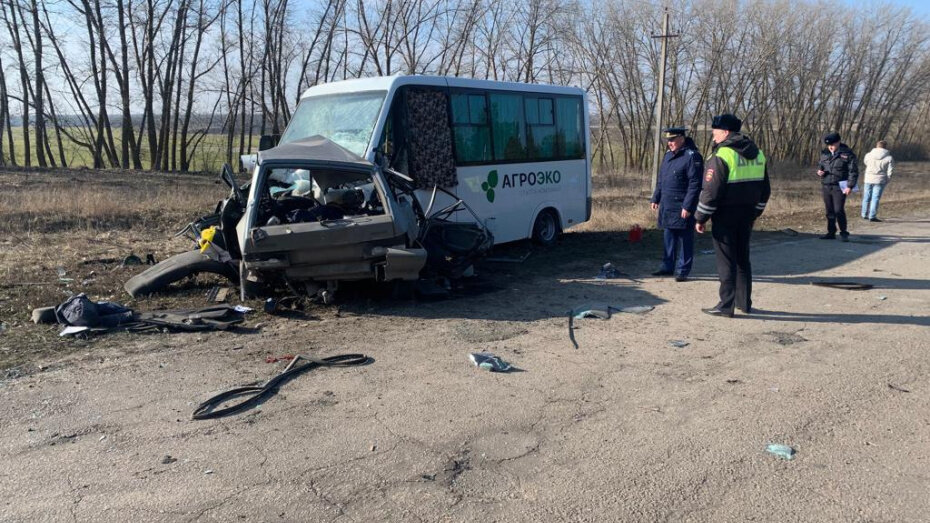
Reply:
x=660, y=102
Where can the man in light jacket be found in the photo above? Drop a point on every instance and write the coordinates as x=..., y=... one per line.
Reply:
x=879, y=166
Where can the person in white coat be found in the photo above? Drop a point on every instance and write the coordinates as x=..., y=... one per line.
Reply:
x=879, y=166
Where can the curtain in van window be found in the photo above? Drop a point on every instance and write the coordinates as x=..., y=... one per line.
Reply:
x=508, y=126
x=570, y=127
x=429, y=135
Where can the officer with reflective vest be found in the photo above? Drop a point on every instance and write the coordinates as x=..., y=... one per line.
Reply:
x=734, y=193
x=675, y=200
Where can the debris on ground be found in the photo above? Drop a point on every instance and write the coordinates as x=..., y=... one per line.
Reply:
x=789, y=231
x=602, y=312
x=286, y=303
x=844, y=285
x=255, y=394
x=678, y=344
x=507, y=259
x=217, y=294
x=275, y=359
x=608, y=272
x=176, y=268
x=892, y=386
x=132, y=259
x=707, y=251
x=782, y=451
x=61, y=275
x=78, y=314
x=488, y=361
x=883, y=298
x=636, y=309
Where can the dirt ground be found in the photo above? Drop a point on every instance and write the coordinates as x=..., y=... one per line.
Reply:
x=626, y=427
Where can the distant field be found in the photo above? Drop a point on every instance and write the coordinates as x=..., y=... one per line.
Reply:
x=207, y=157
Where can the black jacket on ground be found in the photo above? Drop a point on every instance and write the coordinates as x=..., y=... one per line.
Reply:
x=839, y=166
x=717, y=193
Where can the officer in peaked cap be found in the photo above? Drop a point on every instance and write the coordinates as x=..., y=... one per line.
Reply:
x=675, y=200
x=838, y=167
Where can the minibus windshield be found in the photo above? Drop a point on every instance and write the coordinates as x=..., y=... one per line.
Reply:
x=347, y=119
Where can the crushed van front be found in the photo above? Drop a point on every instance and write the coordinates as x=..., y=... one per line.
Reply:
x=318, y=214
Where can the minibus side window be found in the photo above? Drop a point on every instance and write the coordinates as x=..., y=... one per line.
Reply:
x=509, y=126
x=540, y=128
x=471, y=132
x=570, y=122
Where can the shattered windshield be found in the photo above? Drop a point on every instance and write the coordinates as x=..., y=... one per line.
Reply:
x=347, y=119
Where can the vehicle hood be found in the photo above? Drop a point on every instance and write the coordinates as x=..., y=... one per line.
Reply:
x=316, y=148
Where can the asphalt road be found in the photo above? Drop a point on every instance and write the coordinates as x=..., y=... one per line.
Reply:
x=627, y=427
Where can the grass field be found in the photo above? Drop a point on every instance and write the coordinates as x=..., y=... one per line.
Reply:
x=207, y=157
x=93, y=200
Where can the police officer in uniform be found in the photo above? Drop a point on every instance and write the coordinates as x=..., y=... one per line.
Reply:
x=675, y=198
x=734, y=193
x=837, y=164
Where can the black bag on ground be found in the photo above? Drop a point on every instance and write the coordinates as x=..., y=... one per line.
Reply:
x=80, y=311
x=215, y=317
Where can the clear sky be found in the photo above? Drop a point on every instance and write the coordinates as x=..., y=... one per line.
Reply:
x=919, y=7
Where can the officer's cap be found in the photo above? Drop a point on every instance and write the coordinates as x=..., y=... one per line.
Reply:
x=831, y=138
x=673, y=132
x=727, y=122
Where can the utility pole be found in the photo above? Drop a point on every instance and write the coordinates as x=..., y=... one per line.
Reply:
x=660, y=102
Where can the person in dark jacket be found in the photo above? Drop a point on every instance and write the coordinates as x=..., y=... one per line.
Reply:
x=675, y=199
x=838, y=171
x=735, y=191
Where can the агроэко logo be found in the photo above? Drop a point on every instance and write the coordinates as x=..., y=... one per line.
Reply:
x=489, y=185
x=526, y=179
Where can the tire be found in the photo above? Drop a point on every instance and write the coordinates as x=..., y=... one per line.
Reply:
x=546, y=229
x=176, y=268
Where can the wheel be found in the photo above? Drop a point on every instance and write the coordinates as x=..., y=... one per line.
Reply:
x=546, y=228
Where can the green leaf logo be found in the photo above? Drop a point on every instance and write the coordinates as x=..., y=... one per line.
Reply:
x=489, y=185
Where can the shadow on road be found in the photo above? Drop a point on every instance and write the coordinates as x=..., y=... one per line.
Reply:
x=551, y=281
x=875, y=282
x=888, y=319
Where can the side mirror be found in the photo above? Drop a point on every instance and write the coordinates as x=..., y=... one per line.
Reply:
x=267, y=141
x=248, y=161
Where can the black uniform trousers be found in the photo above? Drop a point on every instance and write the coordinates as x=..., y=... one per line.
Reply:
x=834, y=201
x=731, y=231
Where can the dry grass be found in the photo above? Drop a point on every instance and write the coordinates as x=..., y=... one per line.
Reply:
x=83, y=200
x=103, y=201
x=622, y=200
